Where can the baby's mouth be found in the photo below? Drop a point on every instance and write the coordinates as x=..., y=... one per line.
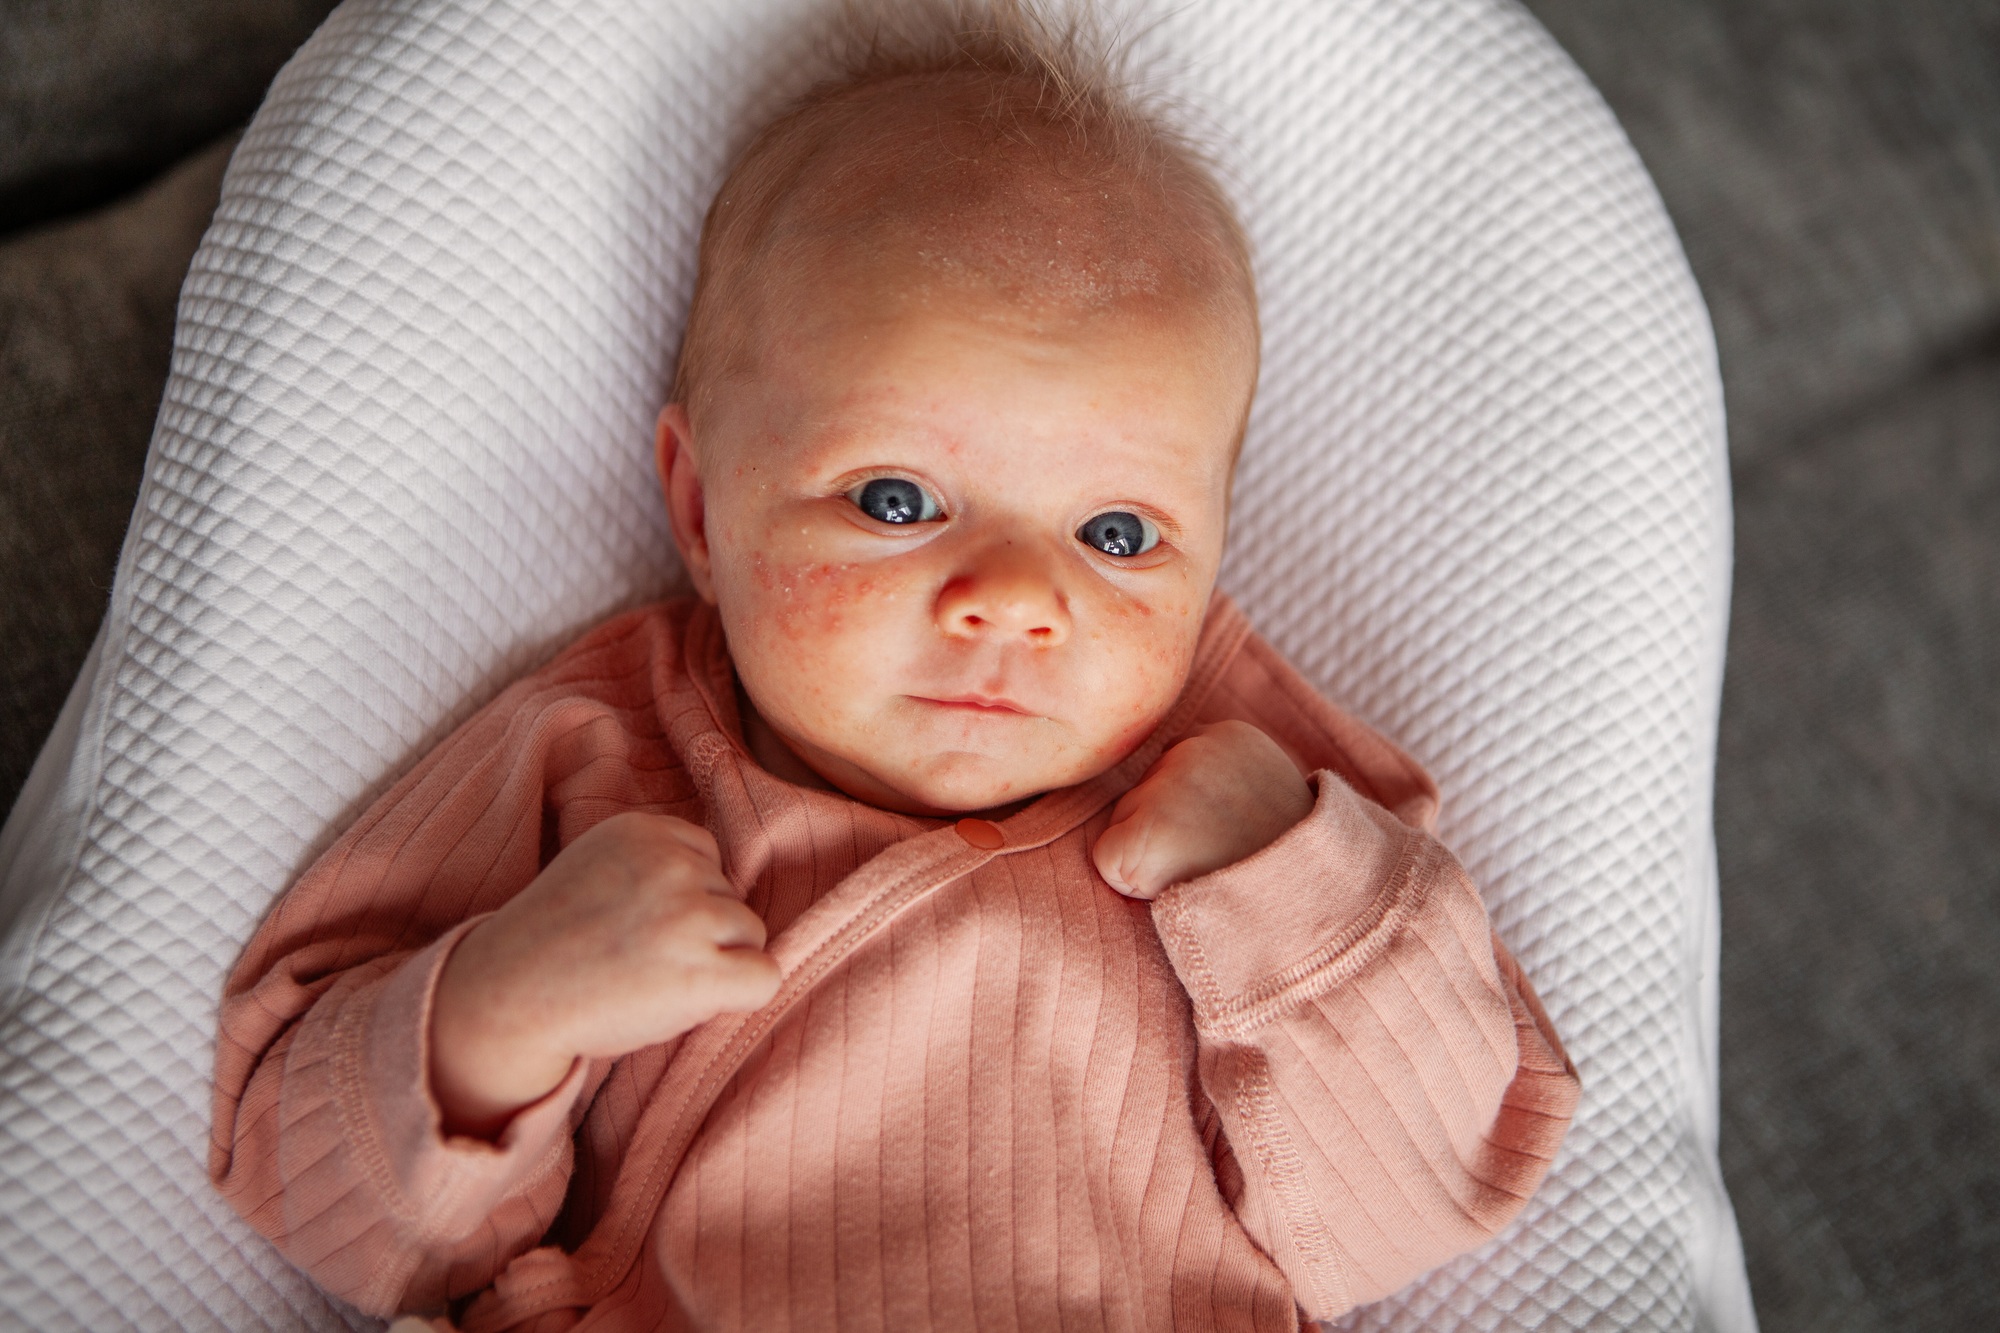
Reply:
x=978, y=704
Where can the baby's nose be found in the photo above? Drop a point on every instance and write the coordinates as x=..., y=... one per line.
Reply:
x=1005, y=594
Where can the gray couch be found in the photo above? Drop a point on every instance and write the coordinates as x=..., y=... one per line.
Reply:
x=1834, y=168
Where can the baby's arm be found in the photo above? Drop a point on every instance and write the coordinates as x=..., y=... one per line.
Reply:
x=406, y=964
x=1386, y=1080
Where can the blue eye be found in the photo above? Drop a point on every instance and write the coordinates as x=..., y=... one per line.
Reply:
x=1119, y=533
x=895, y=500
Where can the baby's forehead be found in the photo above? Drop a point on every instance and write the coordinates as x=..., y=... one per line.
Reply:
x=956, y=179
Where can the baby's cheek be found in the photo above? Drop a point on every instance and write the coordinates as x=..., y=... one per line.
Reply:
x=1143, y=649
x=823, y=601
x=838, y=616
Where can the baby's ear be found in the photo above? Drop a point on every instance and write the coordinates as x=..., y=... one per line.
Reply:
x=680, y=483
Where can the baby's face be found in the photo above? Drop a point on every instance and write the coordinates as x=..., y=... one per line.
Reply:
x=962, y=549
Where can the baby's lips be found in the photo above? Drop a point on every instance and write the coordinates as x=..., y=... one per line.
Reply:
x=992, y=704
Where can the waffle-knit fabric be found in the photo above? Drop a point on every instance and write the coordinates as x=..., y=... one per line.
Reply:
x=989, y=1093
x=403, y=456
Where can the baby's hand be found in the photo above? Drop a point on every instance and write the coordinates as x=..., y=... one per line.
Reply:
x=630, y=937
x=1222, y=794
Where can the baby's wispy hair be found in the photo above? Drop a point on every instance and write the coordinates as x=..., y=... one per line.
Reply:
x=1040, y=77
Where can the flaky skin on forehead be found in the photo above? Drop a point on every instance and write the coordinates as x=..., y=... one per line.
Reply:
x=967, y=150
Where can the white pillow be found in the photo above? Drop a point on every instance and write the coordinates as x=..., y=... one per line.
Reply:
x=404, y=455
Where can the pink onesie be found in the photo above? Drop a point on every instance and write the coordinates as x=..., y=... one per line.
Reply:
x=991, y=1092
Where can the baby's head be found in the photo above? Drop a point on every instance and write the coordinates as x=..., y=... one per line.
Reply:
x=969, y=360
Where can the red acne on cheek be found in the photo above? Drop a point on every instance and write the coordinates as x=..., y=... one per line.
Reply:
x=818, y=596
x=823, y=573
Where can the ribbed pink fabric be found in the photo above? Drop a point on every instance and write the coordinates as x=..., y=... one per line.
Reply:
x=992, y=1093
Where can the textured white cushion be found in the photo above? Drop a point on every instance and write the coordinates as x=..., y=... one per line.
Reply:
x=405, y=454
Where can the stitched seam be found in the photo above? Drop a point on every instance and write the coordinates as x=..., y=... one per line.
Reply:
x=550, y=1162
x=1285, y=1173
x=1339, y=959
x=1188, y=948
x=355, y=1122
x=359, y=1129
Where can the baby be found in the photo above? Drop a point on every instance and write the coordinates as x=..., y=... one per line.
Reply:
x=951, y=915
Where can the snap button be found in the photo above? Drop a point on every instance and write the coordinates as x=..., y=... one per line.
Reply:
x=982, y=833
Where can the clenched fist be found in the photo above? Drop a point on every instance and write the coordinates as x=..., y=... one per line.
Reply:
x=629, y=937
x=1222, y=794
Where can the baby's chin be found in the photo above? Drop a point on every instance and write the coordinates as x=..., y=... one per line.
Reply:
x=959, y=782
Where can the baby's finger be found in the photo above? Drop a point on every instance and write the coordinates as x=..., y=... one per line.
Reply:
x=643, y=839
x=1123, y=856
x=691, y=836
x=727, y=923
x=745, y=979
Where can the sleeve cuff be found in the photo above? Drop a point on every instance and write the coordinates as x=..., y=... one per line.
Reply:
x=1253, y=940
x=447, y=1184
